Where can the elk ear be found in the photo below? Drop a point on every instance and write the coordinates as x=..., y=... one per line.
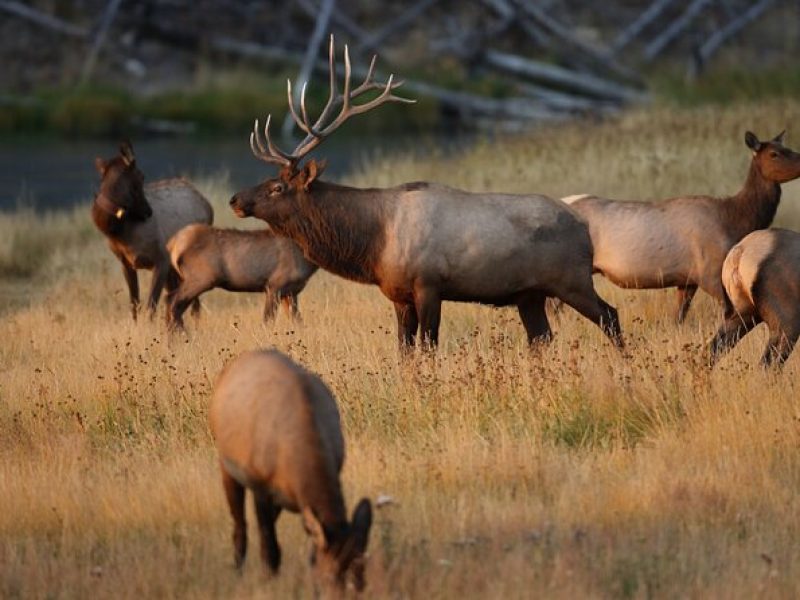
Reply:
x=100, y=165
x=126, y=151
x=312, y=171
x=752, y=142
x=314, y=529
x=778, y=139
x=362, y=521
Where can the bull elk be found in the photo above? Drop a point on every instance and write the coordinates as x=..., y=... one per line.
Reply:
x=424, y=243
x=761, y=275
x=682, y=242
x=206, y=257
x=277, y=430
x=138, y=220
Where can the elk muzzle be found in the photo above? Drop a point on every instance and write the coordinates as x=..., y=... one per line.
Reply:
x=241, y=207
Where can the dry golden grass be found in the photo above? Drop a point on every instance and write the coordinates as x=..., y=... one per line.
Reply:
x=570, y=472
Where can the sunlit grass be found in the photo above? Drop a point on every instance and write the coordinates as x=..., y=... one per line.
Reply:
x=571, y=471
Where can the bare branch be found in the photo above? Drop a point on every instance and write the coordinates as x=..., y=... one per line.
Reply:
x=50, y=22
x=639, y=25
x=677, y=27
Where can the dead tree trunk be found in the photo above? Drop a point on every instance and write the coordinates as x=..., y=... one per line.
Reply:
x=310, y=58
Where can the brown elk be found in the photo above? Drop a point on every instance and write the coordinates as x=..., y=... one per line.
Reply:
x=761, y=275
x=239, y=261
x=138, y=220
x=681, y=242
x=424, y=243
x=277, y=430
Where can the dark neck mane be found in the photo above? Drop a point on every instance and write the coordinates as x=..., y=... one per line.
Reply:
x=755, y=205
x=339, y=228
x=104, y=219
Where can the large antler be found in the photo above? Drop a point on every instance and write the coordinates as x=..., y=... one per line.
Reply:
x=319, y=130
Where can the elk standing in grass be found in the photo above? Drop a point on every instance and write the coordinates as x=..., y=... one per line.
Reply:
x=239, y=261
x=138, y=220
x=761, y=275
x=682, y=242
x=277, y=430
x=424, y=243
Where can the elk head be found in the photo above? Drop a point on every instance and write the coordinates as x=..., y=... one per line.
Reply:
x=276, y=200
x=337, y=552
x=775, y=161
x=121, y=191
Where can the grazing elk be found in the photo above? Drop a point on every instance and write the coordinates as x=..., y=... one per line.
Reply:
x=206, y=257
x=138, y=220
x=424, y=243
x=761, y=275
x=682, y=242
x=277, y=430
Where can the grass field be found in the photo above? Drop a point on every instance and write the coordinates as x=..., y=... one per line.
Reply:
x=570, y=472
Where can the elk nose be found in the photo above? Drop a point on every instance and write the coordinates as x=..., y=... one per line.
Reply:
x=234, y=200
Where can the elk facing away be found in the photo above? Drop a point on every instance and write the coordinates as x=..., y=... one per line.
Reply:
x=423, y=243
x=761, y=275
x=138, y=220
x=277, y=430
x=682, y=242
x=239, y=261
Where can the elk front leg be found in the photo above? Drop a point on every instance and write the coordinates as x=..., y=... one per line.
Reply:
x=534, y=318
x=429, y=310
x=267, y=514
x=407, y=324
x=685, y=296
x=133, y=285
x=270, y=304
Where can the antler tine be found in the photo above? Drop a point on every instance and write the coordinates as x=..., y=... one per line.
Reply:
x=301, y=123
x=332, y=96
x=270, y=154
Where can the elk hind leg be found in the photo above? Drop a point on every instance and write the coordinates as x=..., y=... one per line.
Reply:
x=235, y=492
x=598, y=311
x=267, y=514
x=732, y=330
x=779, y=347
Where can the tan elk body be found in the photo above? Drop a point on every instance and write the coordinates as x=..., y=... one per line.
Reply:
x=277, y=430
x=423, y=243
x=761, y=275
x=138, y=220
x=682, y=242
x=241, y=261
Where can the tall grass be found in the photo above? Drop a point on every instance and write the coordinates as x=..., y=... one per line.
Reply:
x=571, y=471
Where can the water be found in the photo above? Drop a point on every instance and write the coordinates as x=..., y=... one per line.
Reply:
x=49, y=174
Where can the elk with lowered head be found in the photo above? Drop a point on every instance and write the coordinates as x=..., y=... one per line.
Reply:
x=277, y=430
x=761, y=275
x=206, y=257
x=682, y=242
x=424, y=243
x=138, y=220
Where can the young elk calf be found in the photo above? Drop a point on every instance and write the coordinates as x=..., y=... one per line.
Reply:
x=277, y=430
x=761, y=275
x=138, y=220
x=239, y=261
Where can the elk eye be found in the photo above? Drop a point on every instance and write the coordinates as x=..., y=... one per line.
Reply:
x=773, y=154
x=276, y=189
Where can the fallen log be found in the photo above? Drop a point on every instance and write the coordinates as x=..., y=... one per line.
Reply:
x=566, y=79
